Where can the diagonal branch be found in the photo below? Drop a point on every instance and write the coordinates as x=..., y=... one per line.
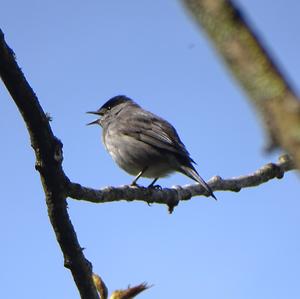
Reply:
x=172, y=196
x=57, y=187
x=48, y=151
x=255, y=70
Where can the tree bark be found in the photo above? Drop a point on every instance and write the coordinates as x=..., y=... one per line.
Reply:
x=48, y=151
x=254, y=69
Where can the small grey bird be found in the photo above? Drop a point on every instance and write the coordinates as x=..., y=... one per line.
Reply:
x=143, y=144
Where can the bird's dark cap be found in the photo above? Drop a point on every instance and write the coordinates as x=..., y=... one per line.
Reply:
x=113, y=102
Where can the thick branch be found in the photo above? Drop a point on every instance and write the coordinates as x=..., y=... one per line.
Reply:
x=48, y=150
x=172, y=196
x=57, y=187
x=254, y=69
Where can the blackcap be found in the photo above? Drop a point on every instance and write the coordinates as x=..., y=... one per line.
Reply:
x=143, y=144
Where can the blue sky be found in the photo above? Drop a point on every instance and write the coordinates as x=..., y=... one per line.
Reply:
x=78, y=54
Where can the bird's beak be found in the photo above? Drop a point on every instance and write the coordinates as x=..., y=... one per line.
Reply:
x=95, y=122
x=94, y=112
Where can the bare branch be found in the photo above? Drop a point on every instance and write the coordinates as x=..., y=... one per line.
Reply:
x=57, y=187
x=48, y=151
x=254, y=69
x=172, y=196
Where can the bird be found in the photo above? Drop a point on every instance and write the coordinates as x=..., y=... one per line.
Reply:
x=142, y=143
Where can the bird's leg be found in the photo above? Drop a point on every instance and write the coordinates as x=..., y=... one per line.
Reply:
x=157, y=187
x=138, y=176
x=153, y=182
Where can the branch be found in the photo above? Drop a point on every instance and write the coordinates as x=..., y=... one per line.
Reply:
x=100, y=286
x=254, y=69
x=48, y=151
x=130, y=292
x=57, y=186
x=172, y=196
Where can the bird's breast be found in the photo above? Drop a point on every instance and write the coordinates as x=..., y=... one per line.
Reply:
x=133, y=155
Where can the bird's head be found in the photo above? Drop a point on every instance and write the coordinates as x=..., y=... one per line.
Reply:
x=111, y=107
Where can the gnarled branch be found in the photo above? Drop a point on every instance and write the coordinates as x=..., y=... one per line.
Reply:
x=172, y=196
x=57, y=186
x=48, y=151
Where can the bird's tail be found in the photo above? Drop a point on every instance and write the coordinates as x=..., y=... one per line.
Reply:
x=193, y=174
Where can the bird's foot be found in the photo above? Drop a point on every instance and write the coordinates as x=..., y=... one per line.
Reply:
x=155, y=187
x=135, y=185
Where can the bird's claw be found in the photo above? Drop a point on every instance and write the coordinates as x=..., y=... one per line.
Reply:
x=155, y=187
x=133, y=184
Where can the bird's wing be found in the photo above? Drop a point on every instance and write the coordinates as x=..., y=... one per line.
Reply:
x=157, y=132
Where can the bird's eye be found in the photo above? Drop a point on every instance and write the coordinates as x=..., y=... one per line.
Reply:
x=108, y=108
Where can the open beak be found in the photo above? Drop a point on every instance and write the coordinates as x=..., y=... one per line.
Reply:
x=95, y=122
x=94, y=112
